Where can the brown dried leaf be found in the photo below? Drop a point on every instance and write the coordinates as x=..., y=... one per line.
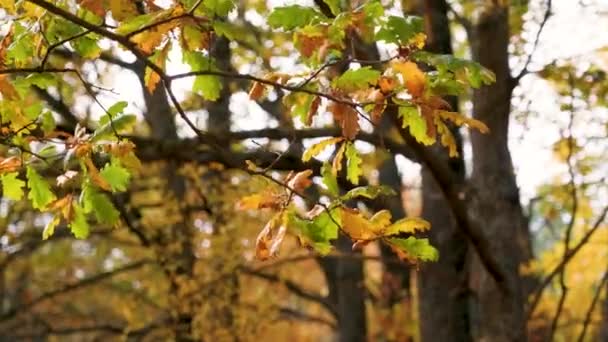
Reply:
x=10, y=164
x=7, y=90
x=270, y=238
x=256, y=91
x=312, y=111
x=347, y=118
x=95, y=175
x=429, y=116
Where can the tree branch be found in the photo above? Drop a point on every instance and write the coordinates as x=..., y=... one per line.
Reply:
x=539, y=291
x=594, y=301
x=457, y=194
x=294, y=288
x=524, y=71
x=71, y=287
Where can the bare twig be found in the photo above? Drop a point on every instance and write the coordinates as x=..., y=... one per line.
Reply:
x=571, y=222
x=594, y=301
x=524, y=71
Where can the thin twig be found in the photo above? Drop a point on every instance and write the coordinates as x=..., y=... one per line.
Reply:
x=594, y=301
x=524, y=71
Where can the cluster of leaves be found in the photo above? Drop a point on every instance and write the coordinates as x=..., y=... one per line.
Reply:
x=98, y=163
x=81, y=189
x=365, y=92
x=317, y=227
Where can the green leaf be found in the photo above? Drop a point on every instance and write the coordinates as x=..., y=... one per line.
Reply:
x=370, y=191
x=400, y=30
x=320, y=231
x=86, y=47
x=299, y=104
x=294, y=16
x=408, y=225
x=224, y=29
x=119, y=123
x=12, y=187
x=40, y=191
x=49, y=229
x=99, y=204
x=209, y=86
x=117, y=108
x=357, y=79
x=219, y=7
x=42, y=80
x=354, y=161
x=457, y=69
x=116, y=175
x=79, y=225
x=419, y=249
x=47, y=122
x=329, y=179
x=21, y=50
x=410, y=116
x=138, y=22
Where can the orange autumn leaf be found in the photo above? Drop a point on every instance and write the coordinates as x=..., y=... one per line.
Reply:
x=300, y=180
x=95, y=6
x=10, y=164
x=256, y=91
x=314, y=107
x=387, y=84
x=151, y=77
x=414, y=78
x=347, y=118
x=95, y=175
x=7, y=90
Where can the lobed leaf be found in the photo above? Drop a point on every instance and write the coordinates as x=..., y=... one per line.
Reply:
x=317, y=148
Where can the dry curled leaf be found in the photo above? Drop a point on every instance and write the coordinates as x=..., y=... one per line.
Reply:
x=300, y=180
x=312, y=111
x=270, y=238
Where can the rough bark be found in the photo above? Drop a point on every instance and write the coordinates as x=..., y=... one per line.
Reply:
x=496, y=206
x=443, y=284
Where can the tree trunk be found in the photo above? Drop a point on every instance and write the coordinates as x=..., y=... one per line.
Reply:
x=496, y=206
x=443, y=284
x=178, y=265
x=347, y=292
